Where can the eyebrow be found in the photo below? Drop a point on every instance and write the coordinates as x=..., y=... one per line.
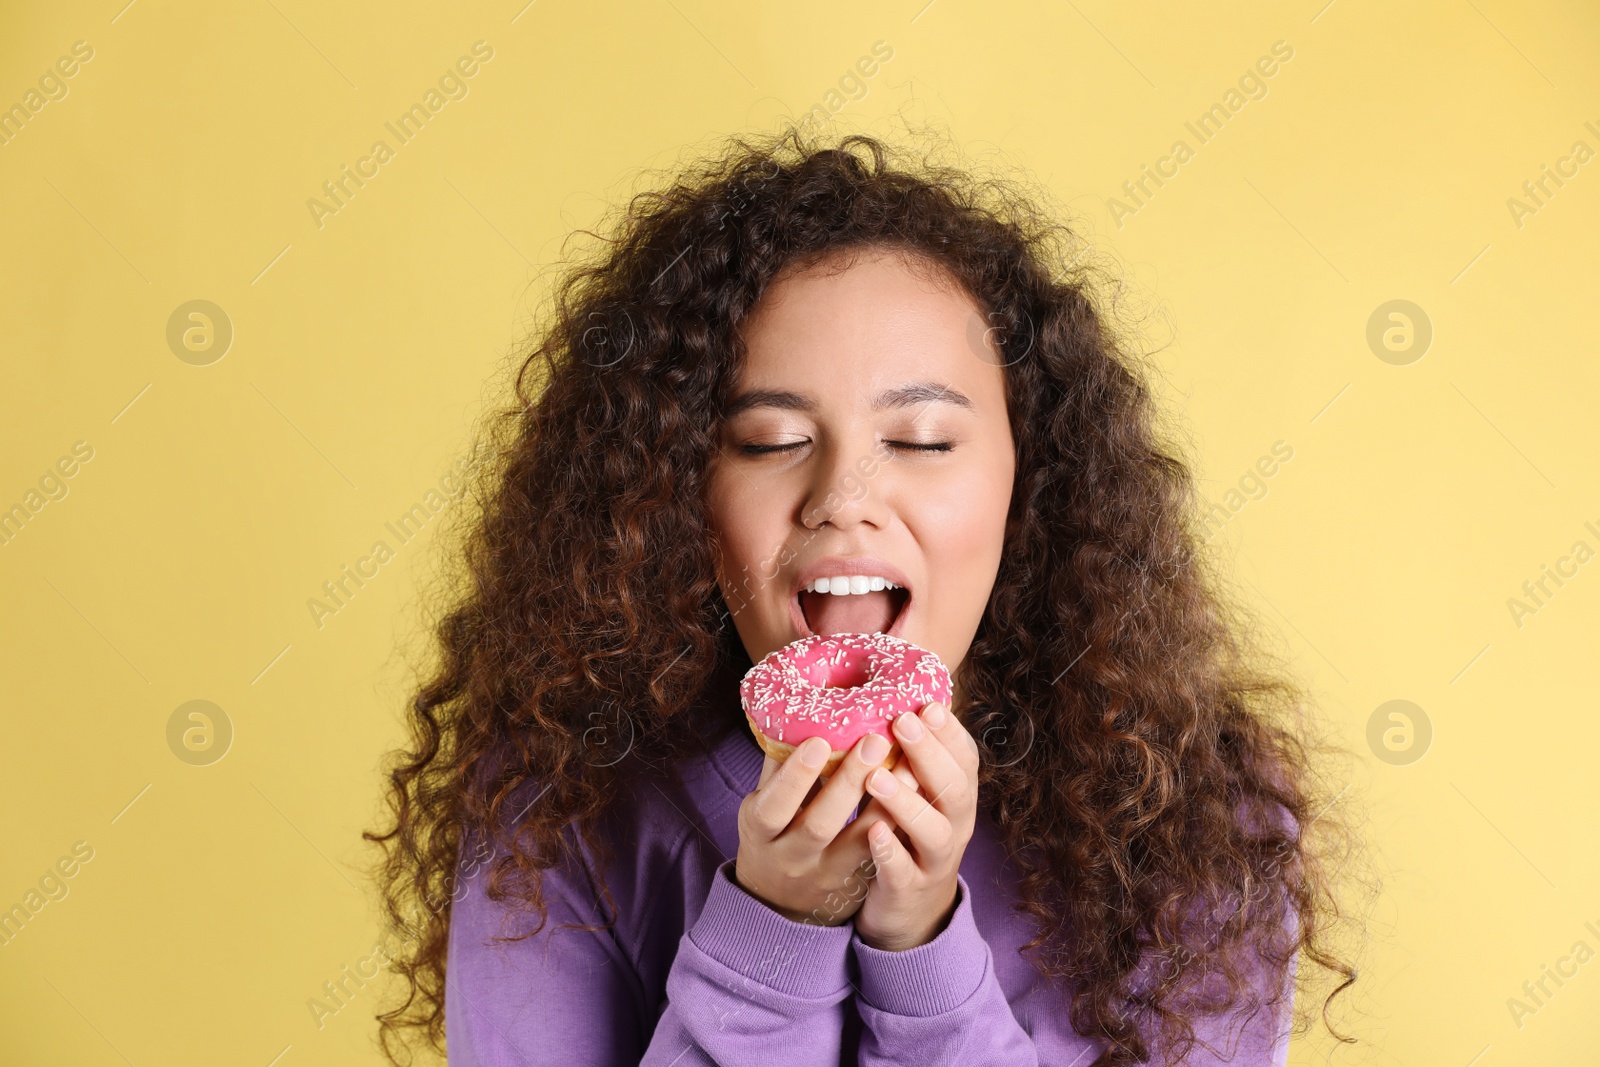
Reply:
x=918, y=392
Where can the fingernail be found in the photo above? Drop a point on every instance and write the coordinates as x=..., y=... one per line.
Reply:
x=814, y=751
x=874, y=749
x=909, y=727
x=880, y=783
x=933, y=715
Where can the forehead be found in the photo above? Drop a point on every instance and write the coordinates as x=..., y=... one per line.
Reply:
x=865, y=320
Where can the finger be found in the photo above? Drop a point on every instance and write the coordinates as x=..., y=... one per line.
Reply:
x=867, y=813
x=826, y=815
x=879, y=814
x=849, y=849
x=902, y=770
x=892, y=865
x=769, y=767
x=871, y=810
x=771, y=808
x=943, y=778
x=955, y=735
x=854, y=836
x=930, y=832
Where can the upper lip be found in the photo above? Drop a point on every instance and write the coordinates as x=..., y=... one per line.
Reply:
x=837, y=566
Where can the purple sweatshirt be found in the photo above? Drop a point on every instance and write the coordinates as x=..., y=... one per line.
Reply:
x=698, y=971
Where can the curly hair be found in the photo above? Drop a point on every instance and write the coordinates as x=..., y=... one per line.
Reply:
x=1144, y=768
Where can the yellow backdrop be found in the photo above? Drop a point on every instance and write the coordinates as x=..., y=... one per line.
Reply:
x=243, y=345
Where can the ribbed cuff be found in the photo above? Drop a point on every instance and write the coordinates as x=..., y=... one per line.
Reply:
x=930, y=979
x=746, y=936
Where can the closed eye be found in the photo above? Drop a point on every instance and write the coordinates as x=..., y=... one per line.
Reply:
x=762, y=450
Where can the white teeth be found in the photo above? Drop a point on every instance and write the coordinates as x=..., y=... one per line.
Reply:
x=844, y=585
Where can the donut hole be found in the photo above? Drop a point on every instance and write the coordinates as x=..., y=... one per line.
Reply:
x=843, y=676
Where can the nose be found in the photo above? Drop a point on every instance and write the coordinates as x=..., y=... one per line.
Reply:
x=846, y=488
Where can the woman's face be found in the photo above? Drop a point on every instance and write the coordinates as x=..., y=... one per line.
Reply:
x=867, y=436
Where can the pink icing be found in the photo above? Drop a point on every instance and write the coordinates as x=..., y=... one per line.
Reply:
x=841, y=687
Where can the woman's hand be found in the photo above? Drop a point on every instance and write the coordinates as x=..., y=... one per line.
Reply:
x=809, y=867
x=913, y=891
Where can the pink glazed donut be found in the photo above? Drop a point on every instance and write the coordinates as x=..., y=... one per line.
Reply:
x=839, y=687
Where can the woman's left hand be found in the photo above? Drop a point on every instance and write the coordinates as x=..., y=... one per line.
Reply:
x=913, y=892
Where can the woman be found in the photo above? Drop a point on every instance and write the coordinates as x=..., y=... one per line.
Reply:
x=801, y=363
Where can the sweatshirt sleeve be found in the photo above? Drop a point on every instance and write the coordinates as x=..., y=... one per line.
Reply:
x=748, y=982
x=745, y=980
x=939, y=1002
x=560, y=996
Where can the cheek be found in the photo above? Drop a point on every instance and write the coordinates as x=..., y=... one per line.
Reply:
x=965, y=515
x=736, y=517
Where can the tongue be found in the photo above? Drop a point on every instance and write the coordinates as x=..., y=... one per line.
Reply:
x=856, y=613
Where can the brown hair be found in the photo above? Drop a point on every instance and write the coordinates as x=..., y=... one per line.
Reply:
x=1144, y=769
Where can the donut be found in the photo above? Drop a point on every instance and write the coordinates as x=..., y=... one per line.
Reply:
x=839, y=687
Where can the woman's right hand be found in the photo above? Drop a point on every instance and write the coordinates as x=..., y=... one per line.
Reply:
x=806, y=864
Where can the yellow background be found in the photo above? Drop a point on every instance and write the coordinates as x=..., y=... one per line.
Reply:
x=219, y=498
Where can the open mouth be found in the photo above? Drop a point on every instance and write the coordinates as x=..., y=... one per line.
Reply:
x=879, y=611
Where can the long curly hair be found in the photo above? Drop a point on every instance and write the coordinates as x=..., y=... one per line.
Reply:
x=1155, y=784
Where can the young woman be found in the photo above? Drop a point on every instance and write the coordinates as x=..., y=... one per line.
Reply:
x=802, y=362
